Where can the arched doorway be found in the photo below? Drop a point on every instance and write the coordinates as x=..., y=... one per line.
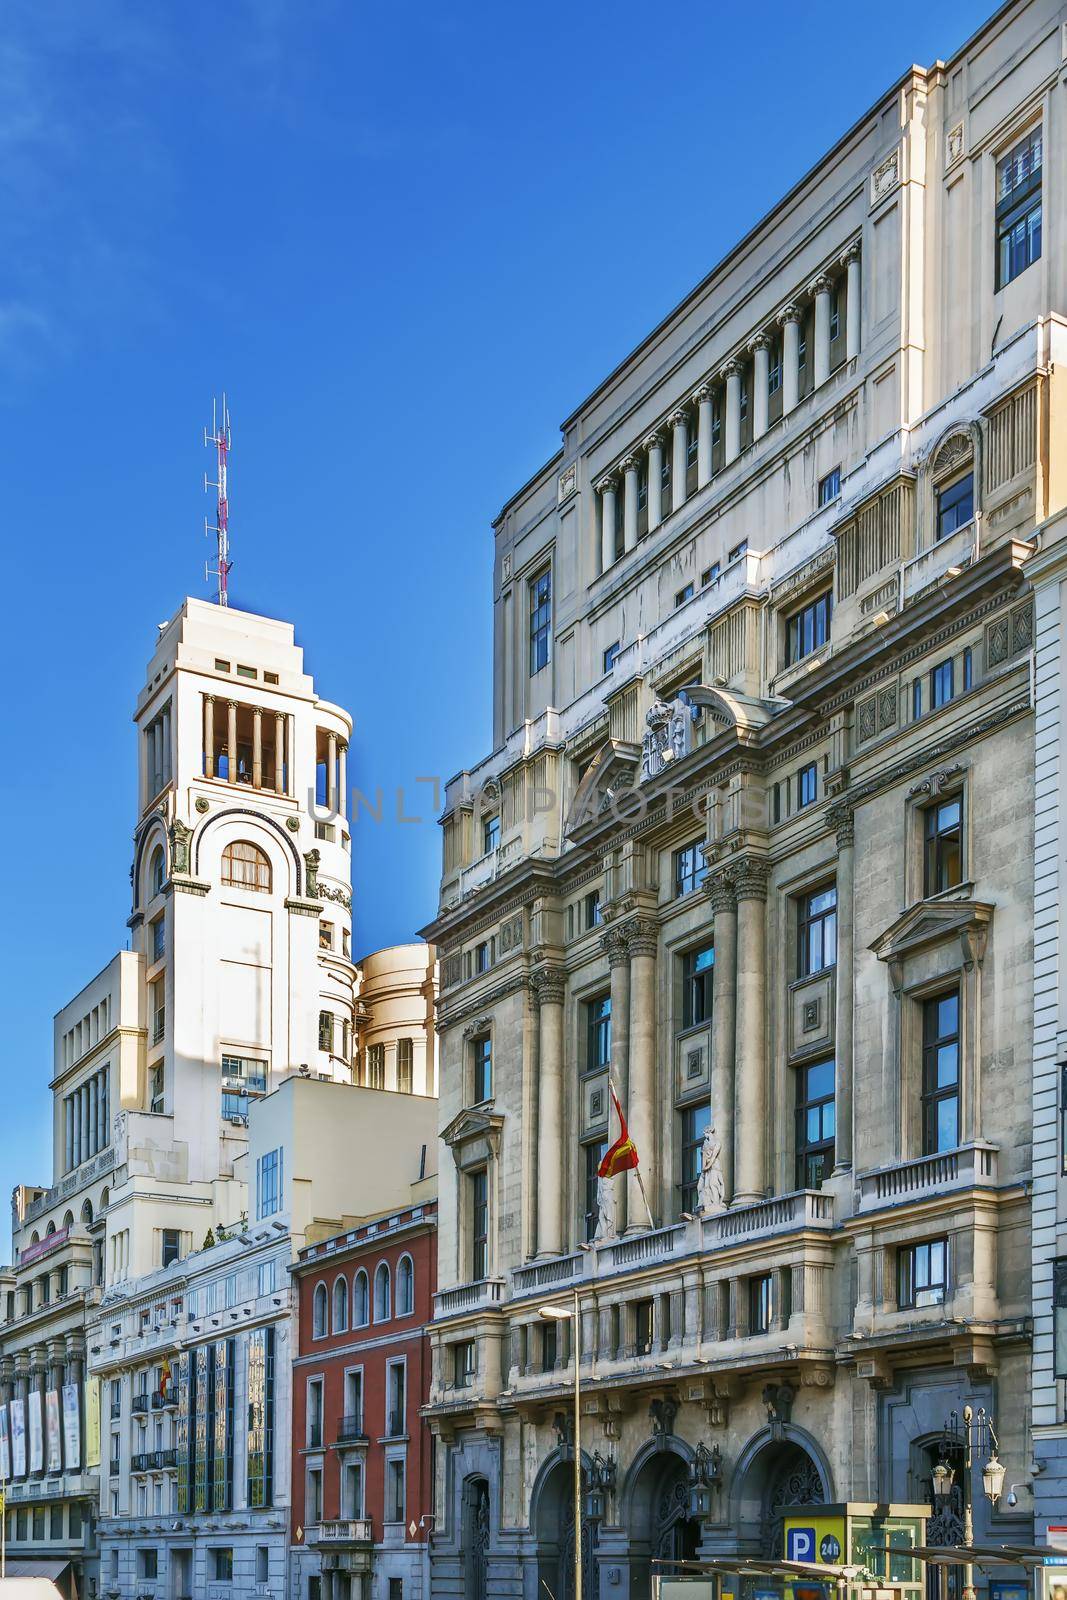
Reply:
x=556, y=1538
x=660, y=1527
x=475, y=1538
x=945, y=1522
x=775, y=1472
x=793, y=1480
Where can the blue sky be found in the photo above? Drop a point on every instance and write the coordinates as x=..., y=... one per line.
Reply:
x=407, y=240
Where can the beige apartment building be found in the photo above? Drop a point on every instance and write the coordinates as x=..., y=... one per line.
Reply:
x=755, y=845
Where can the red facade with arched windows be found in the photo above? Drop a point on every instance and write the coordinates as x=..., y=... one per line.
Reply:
x=361, y=1375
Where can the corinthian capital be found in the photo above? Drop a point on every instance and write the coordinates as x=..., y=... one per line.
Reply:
x=615, y=947
x=851, y=254
x=749, y=877
x=759, y=341
x=790, y=313
x=549, y=986
x=730, y=369
x=720, y=892
x=642, y=936
x=842, y=819
x=820, y=285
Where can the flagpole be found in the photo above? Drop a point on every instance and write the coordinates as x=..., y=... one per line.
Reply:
x=644, y=1196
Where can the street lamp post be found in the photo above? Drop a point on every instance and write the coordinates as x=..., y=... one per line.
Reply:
x=559, y=1314
x=976, y=1434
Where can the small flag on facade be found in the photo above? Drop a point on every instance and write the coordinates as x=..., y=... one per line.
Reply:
x=622, y=1155
x=164, y=1378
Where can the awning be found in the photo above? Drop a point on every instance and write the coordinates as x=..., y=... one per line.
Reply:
x=20, y=1568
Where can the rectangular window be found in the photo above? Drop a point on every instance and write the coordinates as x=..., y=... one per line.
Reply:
x=172, y=1246
x=916, y=699
x=157, y=752
x=482, y=1049
x=808, y=629
x=955, y=506
x=479, y=1201
x=611, y=655
x=490, y=835
x=593, y=1155
x=405, y=1066
x=395, y=1499
x=760, y=1298
x=968, y=669
x=1018, y=219
x=376, y=1066
x=774, y=367
x=326, y=1031
x=158, y=1007
x=481, y=957
x=223, y=1564
x=941, y=1073
x=942, y=686
x=690, y=869
x=592, y=916
x=147, y=1563
x=943, y=846
x=243, y=1079
x=697, y=970
x=817, y=931
x=807, y=785
x=1059, y=1317
x=549, y=1346
x=683, y=595
x=598, y=1033
x=738, y=551
x=464, y=1364
x=830, y=486
x=694, y=1121
x=815, y=1124
x=709, y=575
x=269, y=1183
x=159, y=938
x=262, y=1563
x=643, y=1325
x=921, y=1274
x=540, y=621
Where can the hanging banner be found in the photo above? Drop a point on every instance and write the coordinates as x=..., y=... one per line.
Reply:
x=36, y=1431
x=92, y=1422
x=18, y=1439
x=71, y=1427
x=51, y=1420
x=5, y=1446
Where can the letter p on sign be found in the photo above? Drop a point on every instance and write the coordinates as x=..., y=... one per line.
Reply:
x=800, y=1544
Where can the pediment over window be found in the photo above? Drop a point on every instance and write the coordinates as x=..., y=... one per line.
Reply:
x=471, y=1125
x=931, y=922
x=611, y=772
x=745, y=712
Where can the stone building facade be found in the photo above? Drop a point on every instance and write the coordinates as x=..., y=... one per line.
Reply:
x=755, y=847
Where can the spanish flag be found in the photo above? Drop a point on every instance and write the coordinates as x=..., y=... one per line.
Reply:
x=164, y=1377
x=622, y=1155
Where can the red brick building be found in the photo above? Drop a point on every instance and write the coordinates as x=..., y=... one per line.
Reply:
x=362, y=1470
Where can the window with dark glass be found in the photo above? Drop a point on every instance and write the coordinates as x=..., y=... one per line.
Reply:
x=968, y=668
x=738, y=551
x=808, y=629
x=807, y=785
x=815, y=1124
x=941, y=1073
x=549, y=1346
x=697, y=969
x=479, y=1196
x=916, y=699
x=540, y=621
x=463, y=1364
x=690, y=869
x=592, y=1156
x=760, y=1303
x=642, y=1315
x=611, y=655
x=830, y=486
x=943, y=846
x=598, y=1033
x=955, y=506
x=592, y=915
x=817, y=931
x=490, y=834
x=482, y=1050
x=921, y=1274
x=942, y=686
x=710, y=575
x=683, y=595
x=694, y=1125
x=1019, y=208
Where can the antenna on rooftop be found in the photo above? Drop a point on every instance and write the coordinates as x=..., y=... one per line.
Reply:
x=220, y=438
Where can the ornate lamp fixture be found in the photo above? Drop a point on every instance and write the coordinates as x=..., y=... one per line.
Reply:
x=601, y=1480
x=705, y=1473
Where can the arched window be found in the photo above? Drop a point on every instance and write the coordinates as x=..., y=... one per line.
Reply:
x=340, y=1305
x=51, y=1228
x=318, y=1312
x=105, y=1200
x=360, y=1300
x=155, y=872
x=68, y=1217
x=381, y=1292
x=244, y=866
x=405, y=1287
x=87, y=1212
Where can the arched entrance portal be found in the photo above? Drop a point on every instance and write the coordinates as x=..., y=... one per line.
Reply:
x=660, y=1527
x=775, y=1472
x=793, y=1480
x=556, y=1538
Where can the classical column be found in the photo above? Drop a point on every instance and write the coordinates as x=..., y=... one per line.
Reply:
x=731, y=376
x=842, y=820
x=257, y=748
x=618, y=953
x=209, y=736
x=822, y=289
x=750, y=1077
x=789, y=317
x=703, y=399
x=548, y=986
x=606, y=488
x=720, y=892
x=68, y=1131
x=279, y=752
x=77, y=1097
x=760, y=350
x=851, y=262
x=629, y=503
x=654, y=446
x=7, y=1379
x=94, y=1091
x=231, y=741
x=331, y=773
x=342, y=798
x=679, y=444
x=642, y=938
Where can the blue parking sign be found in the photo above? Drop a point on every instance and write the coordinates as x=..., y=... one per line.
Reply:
x=800, y=1544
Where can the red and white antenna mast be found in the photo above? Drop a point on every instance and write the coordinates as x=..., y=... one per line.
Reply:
x=220, y=438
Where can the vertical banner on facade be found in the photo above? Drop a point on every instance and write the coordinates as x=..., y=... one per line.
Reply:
x=18, y=1438
x=5, y=1446
x=92, y=1422
x=71, y=1427
x=54, y=1456
x=36, y=1431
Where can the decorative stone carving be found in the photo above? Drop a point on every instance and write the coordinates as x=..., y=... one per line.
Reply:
x=606, y=1211
x=842, y=819
x=885, y=177
x=749, y=877
x=790, y=313
x=661, y=1414
x=953, y=144
x=511, y=935
x=1022, y=627
x=311, y=866
x=730, y=369
x=711, y=1186
x=720, y=891
x=339, y=896
x=202, y=803
x=549, y=985
x=567, y=483
x=668, y=736
x=180, y=836
x=778, y=1399
x=642, y=937
x=451, y=971
x=293, y=824
x=759, y=341
x=478, y=1025
x=956, y=450
x=937, y=781
x=615, y=947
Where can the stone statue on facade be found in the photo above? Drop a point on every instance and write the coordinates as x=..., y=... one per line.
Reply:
x=607, y=1226
x=667, y=737
x=711, y=1186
